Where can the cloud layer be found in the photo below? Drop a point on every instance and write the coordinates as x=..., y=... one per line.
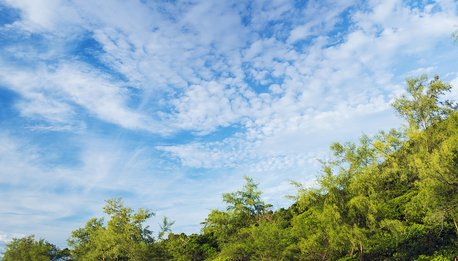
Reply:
x=169, y=104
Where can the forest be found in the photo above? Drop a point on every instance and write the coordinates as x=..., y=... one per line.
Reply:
x=390, y=196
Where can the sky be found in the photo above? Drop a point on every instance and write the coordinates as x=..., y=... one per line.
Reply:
x=169, y=104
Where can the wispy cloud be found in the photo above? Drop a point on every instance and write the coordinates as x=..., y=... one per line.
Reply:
x=57, y=94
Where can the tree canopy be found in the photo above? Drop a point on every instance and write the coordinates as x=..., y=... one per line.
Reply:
x=123, y=237
x=28, y=248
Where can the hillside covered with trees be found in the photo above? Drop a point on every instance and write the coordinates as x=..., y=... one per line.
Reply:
x=393, y=196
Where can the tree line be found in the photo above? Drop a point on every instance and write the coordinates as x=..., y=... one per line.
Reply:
x=392, y=196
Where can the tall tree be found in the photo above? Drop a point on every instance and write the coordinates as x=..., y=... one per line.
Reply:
x=423, y=106
x=243, y=209
x=124, y=237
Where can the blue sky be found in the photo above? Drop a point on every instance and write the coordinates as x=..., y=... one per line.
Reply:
x=168, y=104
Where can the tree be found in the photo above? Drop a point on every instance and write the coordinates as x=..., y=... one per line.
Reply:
x=28, y=248
x=376, y=197
x=244, y=209
x=423, y=106
x=438, y=170
x=165, y=227
x=123, y=237
x=436, y=154
x=246, y=202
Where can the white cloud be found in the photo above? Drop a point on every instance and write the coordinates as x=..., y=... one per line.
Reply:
x=453, y=95
x=44, y=15
x=300, y=32
x=282, y=144
x=155, y=59
x=324, y=89
x=52, y=94
x=208, y=106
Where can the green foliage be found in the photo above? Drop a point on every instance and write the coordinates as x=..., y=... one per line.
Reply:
x=30, y=249
x=235, y=227
x=423, y=106
x=388, y=197
x=193, y=247
x=244, y=208
x=165, y=227
x=438, y=171
x=246, y=202
x=123, y=237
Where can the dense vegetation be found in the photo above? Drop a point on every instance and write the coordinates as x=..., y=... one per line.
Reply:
x=393, y=196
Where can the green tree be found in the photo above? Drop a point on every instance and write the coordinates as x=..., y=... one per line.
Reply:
x=244, y=209
x=384, y=197
x=436, y=147
x=124, y=237
x=30, y=249
x=423, y=106
x=165, y=227
x=247, y=202
x=438, y=170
